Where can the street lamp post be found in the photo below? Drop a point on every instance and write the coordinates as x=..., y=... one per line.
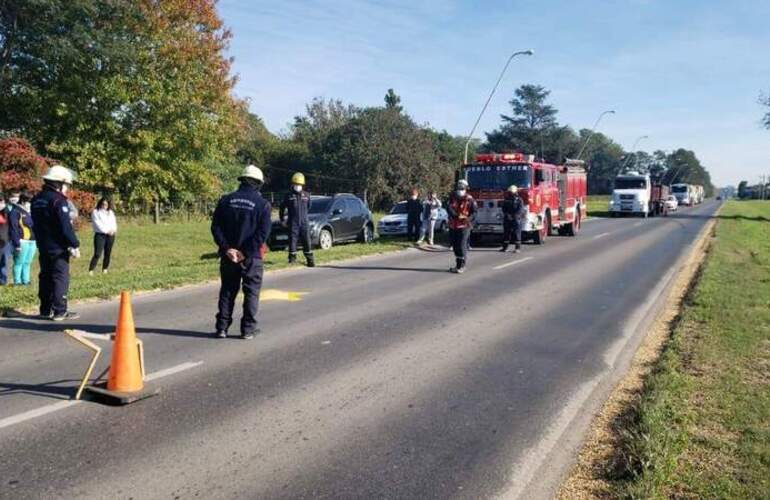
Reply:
x=593, y=129
x=494, y=89
x=623, y=167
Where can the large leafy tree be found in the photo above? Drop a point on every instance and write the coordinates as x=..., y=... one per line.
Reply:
x=684, y=166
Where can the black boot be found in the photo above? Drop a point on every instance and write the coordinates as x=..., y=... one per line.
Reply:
x=310, y=260
x=504, y=247
x=292, y=258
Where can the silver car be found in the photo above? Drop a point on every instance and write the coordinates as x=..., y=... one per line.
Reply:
x=394, y=224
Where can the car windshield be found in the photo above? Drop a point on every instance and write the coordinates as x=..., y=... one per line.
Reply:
x=320, y=205
x=498, y=176
x=678, y=189
x=630, y=183
x=672, y=198
x=398, y=208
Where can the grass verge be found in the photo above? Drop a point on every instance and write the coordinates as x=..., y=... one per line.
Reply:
x=149, y=257
x=698, y=424
x=597, y=205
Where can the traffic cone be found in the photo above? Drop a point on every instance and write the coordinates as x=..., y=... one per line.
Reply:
x=125, y=368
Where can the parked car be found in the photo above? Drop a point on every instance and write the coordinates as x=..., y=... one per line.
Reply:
x=394, y=224
x=333, y=219
x=671, y=203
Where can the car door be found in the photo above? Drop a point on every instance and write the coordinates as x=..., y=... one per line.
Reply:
x=357, y=215
x=340, y=224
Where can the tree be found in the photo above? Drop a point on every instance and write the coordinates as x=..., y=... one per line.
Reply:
x=743, y=190
x=685, y=167
x=393, y=101
x=20, y=165
x=765, y=101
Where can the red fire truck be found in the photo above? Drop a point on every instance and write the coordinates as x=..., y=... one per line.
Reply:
x=555, y=196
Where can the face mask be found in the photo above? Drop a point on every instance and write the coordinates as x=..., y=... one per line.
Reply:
x=65, y=189
x=2, y=205
x=297, y=189
x=414, y=197
x=14, y=200
x=26, y=206
x=460, y=192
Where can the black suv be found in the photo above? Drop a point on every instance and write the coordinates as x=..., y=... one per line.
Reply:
x=333, y=219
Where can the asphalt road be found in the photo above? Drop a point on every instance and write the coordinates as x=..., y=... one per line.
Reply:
x=391, y=378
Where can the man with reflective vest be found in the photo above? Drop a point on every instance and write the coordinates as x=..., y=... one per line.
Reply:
x=461, y=210
x=514, y=213
x=240, y=227
x=294, y=215
x=57, y=241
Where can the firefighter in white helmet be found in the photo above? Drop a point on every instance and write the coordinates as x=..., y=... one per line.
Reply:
x=241, y=227
x=57, y=241
x=461, y=210
x=514, y=214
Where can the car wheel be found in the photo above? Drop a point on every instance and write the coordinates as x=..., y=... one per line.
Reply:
x=325, y=239
x=366, y=234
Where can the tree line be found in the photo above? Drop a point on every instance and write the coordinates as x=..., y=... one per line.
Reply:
x=137, y=97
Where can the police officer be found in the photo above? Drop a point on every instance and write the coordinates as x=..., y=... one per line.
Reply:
x=513, y=218
x=461, y=210
x=56, y=239
x=241, y=227
x=293, y=214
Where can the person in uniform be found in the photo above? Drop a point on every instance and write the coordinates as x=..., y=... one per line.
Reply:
x=241, y=227
x=461, y=209
x=57, y=242
x=294, y=215
x=413, y=216
x=514, y=213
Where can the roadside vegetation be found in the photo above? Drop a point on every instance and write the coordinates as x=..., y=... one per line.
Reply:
x=702, y=425
x=597, y=205
x=149, y=256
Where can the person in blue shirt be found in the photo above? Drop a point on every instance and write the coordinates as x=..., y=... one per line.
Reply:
x=23, y=239
x=241, y=227
x=57, y=242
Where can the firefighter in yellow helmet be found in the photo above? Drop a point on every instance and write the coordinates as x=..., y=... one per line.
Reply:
x=514, y=215
x=294, y=215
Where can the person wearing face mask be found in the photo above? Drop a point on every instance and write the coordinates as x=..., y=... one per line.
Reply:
x=57, y=242
x=413, y=215
x=461, y=210
x=23, y=240
x=514, y=214
x=6, y=249
x=294, y=215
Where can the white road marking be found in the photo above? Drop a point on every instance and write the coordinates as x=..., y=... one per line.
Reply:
x=45, y=410
x=525, y=259
x=638, y=224
x=601, y=235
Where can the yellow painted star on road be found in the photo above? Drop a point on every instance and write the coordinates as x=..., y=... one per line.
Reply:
x=272, y=294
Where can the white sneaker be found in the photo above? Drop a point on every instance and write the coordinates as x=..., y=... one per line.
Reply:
x=90, y=273
x=104, y=271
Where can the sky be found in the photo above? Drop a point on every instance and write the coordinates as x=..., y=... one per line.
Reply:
x=686, y=73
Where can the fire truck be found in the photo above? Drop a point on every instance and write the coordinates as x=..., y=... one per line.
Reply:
x=555, y=196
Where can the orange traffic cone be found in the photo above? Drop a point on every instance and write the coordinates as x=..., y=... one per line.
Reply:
x=125, y=367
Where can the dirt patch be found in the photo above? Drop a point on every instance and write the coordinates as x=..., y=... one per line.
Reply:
x=601, y=459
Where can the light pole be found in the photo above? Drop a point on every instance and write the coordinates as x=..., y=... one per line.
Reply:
x=494, y=89
x=623, y=167
x=593, y=129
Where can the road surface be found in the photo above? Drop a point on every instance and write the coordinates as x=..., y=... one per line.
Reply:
x=390, y=378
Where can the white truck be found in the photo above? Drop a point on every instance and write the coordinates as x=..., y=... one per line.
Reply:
x=631, y=195
x=685, y=194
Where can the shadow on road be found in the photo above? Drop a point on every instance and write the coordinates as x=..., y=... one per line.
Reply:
x=385, y=268
x=53, y=327
x=49, y=389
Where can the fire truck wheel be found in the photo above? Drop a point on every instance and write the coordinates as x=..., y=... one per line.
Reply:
x=574, y=228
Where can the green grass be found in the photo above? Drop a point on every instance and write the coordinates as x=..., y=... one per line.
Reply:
x=702, y=427
x=167, y=255
x=597, y=205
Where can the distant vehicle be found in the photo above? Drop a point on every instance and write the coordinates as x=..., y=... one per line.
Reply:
x=333, y=219
x=687, y=194
x=632, y=195
x=659, y=193
x=394, y=224
x=671, y=203
x=555, y=196
x=719, y=197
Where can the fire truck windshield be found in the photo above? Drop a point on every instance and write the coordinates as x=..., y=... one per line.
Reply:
x=630, y=183
x=494, y=177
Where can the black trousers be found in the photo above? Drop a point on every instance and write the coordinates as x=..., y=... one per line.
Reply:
x=511, y=229
x=247, y=274
x=54, y=282
x=102, y=243
x=413, y=227
x=300, y=234
x=459, y=238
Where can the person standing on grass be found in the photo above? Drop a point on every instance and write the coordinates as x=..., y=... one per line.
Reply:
x=413, y=214
x=6, y=249
x=23, y=240
x=105, y=226
x=461, y=209
x=57, y=242
x=241, y=227
x=430, y=208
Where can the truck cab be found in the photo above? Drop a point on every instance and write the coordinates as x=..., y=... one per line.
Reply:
x=683, y=193
x=631, y=195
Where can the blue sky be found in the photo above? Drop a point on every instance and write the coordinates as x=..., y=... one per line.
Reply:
x=686, y=73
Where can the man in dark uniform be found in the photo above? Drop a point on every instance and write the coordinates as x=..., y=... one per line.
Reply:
x=413, y=216
x=241, y=227
x=294, y=215
x=513, y=218
x=57, y=242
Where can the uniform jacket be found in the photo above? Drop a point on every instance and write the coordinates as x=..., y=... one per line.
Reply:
x=413, y=209
x=461, y=211
x=295, y=206
x=53, y=226
x=242, y=221
x=513, y=209
x=20, y=226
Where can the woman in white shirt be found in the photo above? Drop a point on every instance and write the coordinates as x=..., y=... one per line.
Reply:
x=105, y=226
